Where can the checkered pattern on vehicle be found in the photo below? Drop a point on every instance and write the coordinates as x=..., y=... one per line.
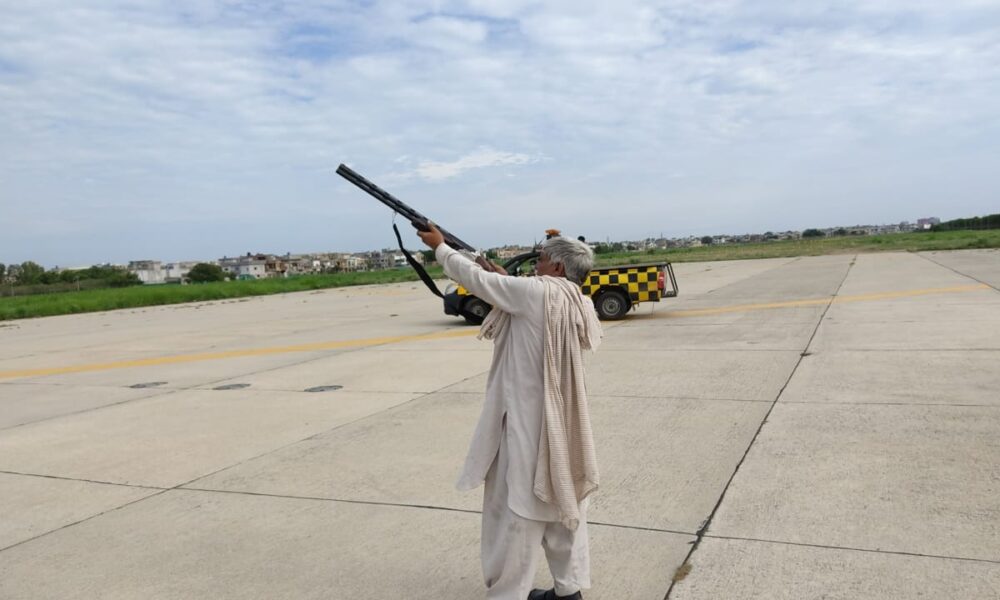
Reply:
x=640, y=282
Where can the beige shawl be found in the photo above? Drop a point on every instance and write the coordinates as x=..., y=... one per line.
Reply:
x=566, y=471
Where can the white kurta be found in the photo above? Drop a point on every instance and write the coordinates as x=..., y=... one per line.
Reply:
x=515, y=387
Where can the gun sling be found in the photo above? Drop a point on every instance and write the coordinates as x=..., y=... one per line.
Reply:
x=416, y=219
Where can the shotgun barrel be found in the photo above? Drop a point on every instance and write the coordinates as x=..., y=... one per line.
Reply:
x=416, y=219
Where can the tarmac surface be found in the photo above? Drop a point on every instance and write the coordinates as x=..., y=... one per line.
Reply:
x=816, y=427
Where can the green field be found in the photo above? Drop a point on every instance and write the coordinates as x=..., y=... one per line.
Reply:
x=43, y=305
x=899, y=242
x=46, y=305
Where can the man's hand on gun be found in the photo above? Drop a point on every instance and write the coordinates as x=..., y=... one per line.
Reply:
x=433, y=238
x=490, y=266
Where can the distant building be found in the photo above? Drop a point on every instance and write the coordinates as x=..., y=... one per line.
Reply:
x=177, y=272
x=388, y=259
x=349, y=263
x=256, y=266
x=154, y=272
x=274, y=266
x=508, y=252
x=148, y=271
x=302, y=265
x=244, y=267
x=251, y=268
x=928, y=222
x=230, y=265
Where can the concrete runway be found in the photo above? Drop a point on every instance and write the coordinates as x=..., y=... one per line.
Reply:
x=819, y=427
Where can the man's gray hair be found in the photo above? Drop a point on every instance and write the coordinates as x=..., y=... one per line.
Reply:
x=575, y=256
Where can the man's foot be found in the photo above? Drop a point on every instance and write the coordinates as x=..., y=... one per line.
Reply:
x=551, y=595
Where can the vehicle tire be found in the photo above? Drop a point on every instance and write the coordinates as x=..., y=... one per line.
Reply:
x=475, y=310
x=612, y=305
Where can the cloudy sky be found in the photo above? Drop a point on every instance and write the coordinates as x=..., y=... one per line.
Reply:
x=193, y=129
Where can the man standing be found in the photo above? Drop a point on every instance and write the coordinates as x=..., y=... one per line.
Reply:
x=533, y=446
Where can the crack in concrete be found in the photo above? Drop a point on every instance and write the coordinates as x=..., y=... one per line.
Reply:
x=938, y=404
x=956, y=271
x=853, y=549
x=161, y=490
x=703, y=529
x=179, y=488
x=80, y=479
x=85, y=519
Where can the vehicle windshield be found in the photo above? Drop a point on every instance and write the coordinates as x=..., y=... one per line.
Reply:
x=522, y=265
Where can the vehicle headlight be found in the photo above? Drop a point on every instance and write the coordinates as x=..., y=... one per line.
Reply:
x=451, y=289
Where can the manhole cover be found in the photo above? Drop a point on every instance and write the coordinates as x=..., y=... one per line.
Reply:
x=324, y=388
x=148, y=384
x=233, y=386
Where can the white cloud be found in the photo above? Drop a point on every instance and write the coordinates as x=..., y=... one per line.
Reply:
x=481, y=158
x=449, y=33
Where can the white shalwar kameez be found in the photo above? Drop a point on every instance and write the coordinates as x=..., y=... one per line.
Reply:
x=504, y=449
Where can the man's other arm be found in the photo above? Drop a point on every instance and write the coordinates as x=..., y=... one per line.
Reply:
x=509, y=294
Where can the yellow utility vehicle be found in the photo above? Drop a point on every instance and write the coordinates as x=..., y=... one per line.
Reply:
x=615, y=290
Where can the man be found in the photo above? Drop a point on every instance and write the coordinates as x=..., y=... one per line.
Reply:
x=533, y=446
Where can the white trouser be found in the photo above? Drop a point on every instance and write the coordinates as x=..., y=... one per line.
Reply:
x=510, y=544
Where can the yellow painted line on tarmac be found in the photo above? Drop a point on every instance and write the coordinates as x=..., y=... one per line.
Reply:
x=188, y=358
x=460, y=333
x=821, y=301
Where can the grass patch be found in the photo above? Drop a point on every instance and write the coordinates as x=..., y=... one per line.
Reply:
x=898, y=242
x=45, y=305
x=682, y=572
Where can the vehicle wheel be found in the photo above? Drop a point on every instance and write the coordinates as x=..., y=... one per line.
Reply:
x=612, y=305
x=475, y=310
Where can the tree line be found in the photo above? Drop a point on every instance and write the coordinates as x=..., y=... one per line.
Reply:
x=30, y=273
x=30, y=277
x=987, y=222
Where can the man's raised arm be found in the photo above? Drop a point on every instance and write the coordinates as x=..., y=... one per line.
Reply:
x=509, y=294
